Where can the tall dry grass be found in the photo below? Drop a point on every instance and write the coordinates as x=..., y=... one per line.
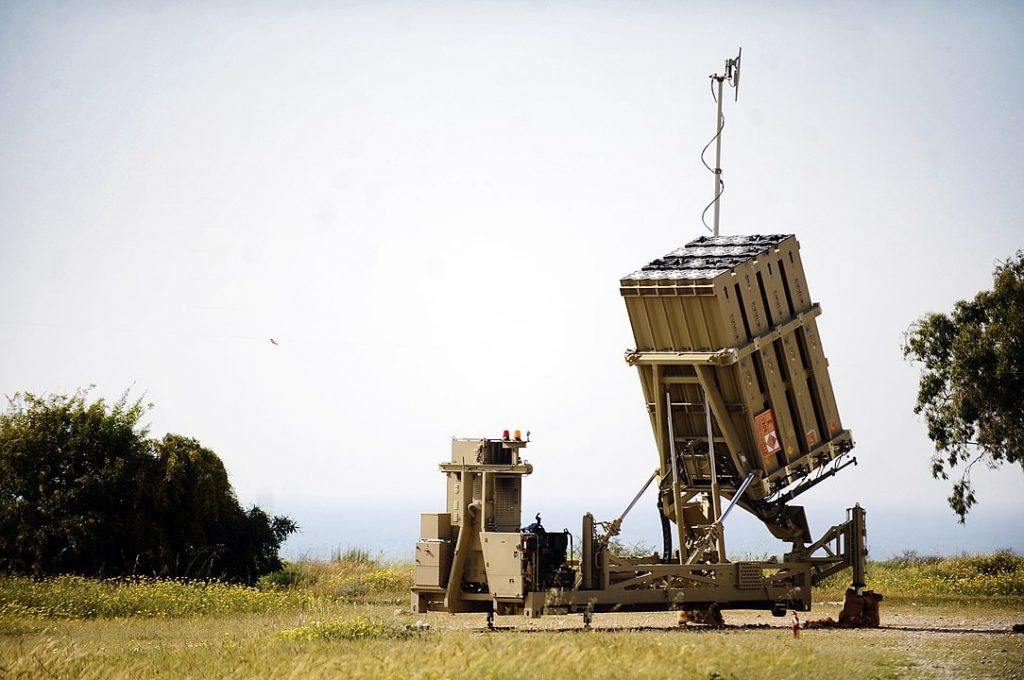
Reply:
x=995, y=578
x=347, y=617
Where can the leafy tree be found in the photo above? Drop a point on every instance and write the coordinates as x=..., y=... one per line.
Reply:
x=258, y=539
x=201, y=517
x=83, y=491
x=971, y=390
x=71, y=478
x=194, y=503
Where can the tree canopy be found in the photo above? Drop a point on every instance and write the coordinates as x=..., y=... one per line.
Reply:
x=83, y=490
x=971, y=390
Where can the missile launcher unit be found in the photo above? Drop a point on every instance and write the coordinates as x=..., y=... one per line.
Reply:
x=737, y=388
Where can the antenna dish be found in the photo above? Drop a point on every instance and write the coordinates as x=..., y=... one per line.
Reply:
x=735, y=74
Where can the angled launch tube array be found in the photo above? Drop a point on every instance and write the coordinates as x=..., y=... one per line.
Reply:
x=727, y=322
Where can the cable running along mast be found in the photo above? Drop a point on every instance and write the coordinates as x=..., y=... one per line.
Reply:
x=732, y=74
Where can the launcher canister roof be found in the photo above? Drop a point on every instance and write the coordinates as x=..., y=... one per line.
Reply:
x=707, y=257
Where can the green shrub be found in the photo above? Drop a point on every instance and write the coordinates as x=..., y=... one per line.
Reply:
x=354, y=556
x=291, y=576
x=995, y=564
x=910, y=558
x=349, y=629
x=85, y=491
x=636, y=549
x=74, y=597
x=966, y=577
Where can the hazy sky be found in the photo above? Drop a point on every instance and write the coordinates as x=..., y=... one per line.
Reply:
x=429, y=207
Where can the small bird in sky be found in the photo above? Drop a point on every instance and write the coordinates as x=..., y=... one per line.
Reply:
x=273, y=342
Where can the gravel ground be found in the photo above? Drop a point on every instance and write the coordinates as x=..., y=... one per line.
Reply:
x=942, y=643
x=907, y=618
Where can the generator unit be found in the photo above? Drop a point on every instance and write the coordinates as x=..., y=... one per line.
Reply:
x=475, y=556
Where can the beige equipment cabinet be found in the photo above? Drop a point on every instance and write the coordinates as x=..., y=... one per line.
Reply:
x=474, y=557
x=738, y=392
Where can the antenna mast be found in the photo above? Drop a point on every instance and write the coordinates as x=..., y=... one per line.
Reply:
x=732, y=74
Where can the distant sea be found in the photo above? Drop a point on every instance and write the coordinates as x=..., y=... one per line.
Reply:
x=391, y=529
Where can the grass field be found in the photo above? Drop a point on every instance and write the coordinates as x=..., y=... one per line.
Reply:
x=943, y=618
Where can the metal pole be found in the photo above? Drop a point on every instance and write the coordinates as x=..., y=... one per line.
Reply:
x=483, y=501
x=716, y=498
x=671, y=440
x=637, y=497
x=675, y=479
x=855, y=544
x=739, y=494
x=587, y=552
x=719, y=526
x=711, y=456
x=718, y=153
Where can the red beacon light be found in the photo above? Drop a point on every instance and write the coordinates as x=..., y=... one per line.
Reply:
x=504, y=435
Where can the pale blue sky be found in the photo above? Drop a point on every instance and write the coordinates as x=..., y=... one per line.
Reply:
x=429, y=206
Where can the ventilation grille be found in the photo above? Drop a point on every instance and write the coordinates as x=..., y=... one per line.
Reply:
x=506, y=503
x=749, y=576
